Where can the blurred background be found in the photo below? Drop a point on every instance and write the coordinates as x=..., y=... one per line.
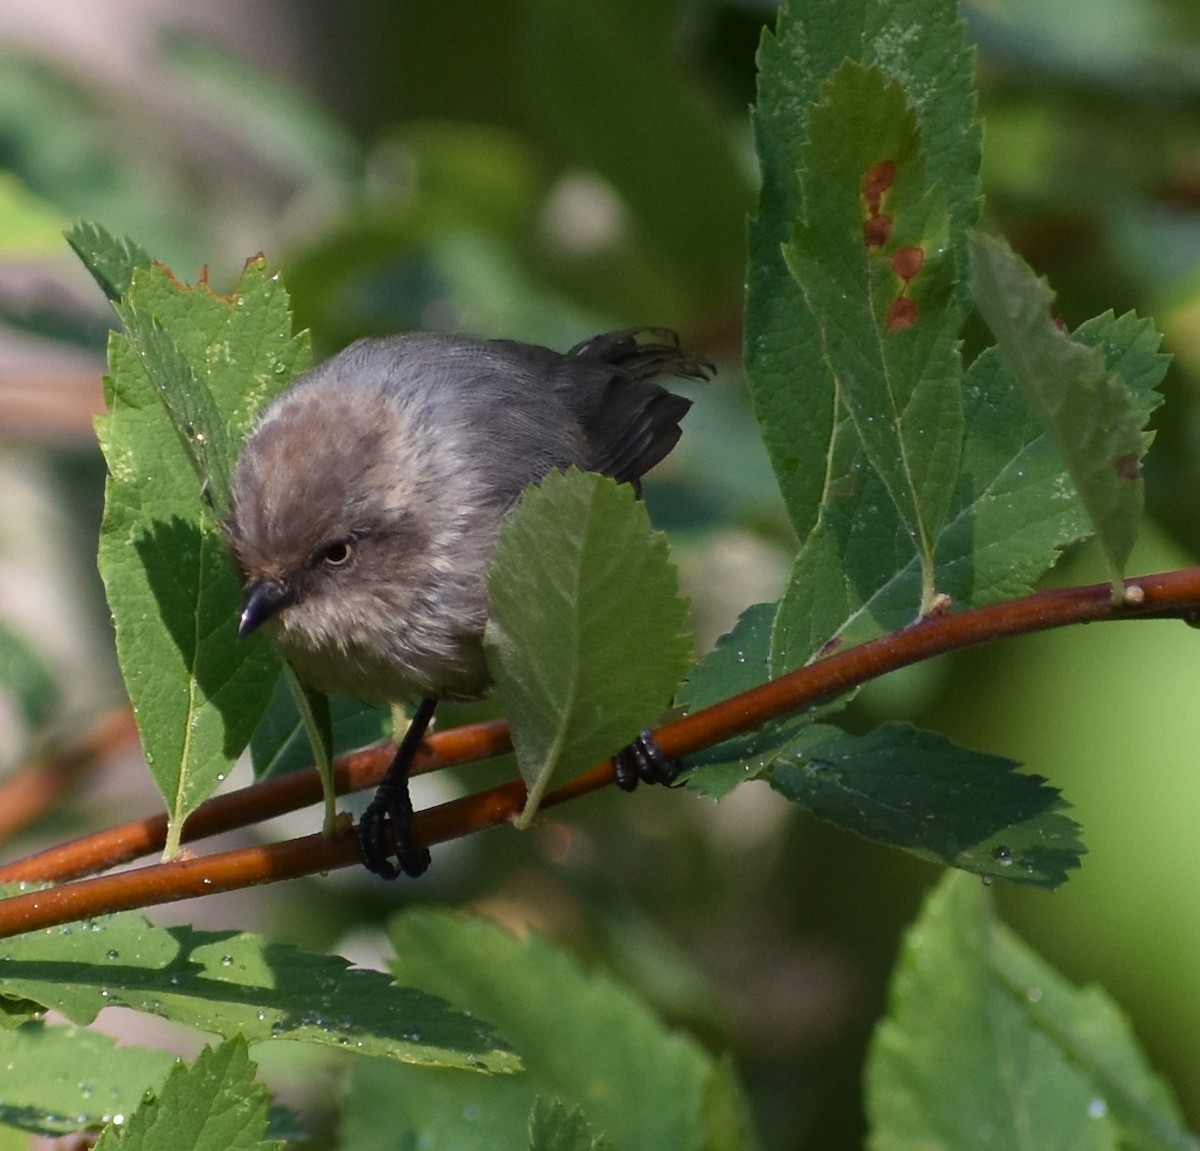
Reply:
x=543, y=171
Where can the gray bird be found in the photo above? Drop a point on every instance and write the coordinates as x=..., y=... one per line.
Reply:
x=366, y=502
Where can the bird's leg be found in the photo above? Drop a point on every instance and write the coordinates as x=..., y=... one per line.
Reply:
x=393, y=802
x=644, y=761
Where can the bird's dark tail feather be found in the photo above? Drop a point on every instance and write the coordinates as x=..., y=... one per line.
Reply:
x=659, y=354
x=636, y=423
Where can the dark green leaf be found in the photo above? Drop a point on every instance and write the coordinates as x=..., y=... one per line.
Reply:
x=740, y=661
x=920, y=44
x=873, y=261
x=790, y=383
x=1014, y=510
x=920, y=791
x=584, y=637
x=856, y=575
x=1088, y=410
x=213, y=1104
x=232, y=982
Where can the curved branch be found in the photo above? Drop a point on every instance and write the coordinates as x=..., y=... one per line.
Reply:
x=1168, y=595
x=261, y=801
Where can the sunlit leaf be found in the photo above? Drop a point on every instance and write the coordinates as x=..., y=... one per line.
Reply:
x=212, y=1104
x=585, y=635
x=238, y=983
x=187, y=379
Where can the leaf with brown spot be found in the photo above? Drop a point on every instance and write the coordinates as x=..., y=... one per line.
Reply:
x=907, y=262
x=789, y=380
x=902, y=313
x=887, y=309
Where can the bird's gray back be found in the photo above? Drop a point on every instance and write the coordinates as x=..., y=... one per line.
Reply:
x=486, y=406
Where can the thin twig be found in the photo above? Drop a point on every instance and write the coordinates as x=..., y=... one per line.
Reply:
x=250, y=805
x=1168, y=595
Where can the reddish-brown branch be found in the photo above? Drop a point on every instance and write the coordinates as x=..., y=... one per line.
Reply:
x=250, y=805
x=1172, y=594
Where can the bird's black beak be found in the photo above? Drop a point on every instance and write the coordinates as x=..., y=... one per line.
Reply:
x=264, y=599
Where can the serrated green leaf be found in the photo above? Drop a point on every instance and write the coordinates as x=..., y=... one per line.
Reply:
x=111, y=262
x=212, y=1104
x=968, y=1057
x=920, y=43
x=197, y=691
x=1013, y=512
x=582, y=1039
x=920, y=791
x=790, y=383
x=1131, y=347
x=241, y=344
x=238, y=983
x=1088, y=411
x=552, y=1127
x=584, y=634
x=1092, y=1031
x=189, y=405
x=886, y=307
x=1017, y=508
x=56, y=1080
x=740, y=661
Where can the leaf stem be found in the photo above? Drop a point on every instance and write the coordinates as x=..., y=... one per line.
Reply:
x=320, y=739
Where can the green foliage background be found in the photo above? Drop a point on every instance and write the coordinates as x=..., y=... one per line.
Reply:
x=415, y=164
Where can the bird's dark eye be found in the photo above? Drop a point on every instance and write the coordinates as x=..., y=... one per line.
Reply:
x=338, y=553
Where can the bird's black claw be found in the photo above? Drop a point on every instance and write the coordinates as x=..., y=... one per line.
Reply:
x=643, y=761
x=397, y=809
x=391, y=804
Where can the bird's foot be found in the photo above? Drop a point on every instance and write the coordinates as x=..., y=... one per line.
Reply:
x=393, y=805
x=643, y=761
